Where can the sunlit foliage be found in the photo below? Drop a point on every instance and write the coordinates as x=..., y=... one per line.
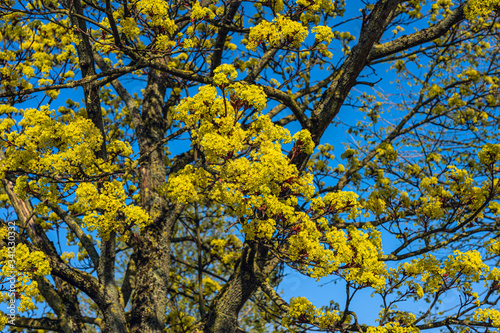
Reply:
x=166, y=164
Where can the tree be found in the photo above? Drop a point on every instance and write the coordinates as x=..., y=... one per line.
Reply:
x=181, y=206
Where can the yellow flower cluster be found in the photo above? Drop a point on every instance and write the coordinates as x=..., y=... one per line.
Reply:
x=205, y=104
x=222, y=73
x=353, y=255
x=277, y=5
x=456, y=101
x=493, y=246
x=200, y=13
x=129, y=28
x=282, y=31
x=210, y=286
x=385, y=192
x=480, y=8
x=359, y=252
x=462, y=187
x=305, y=141
x=47, y=144
x=3, y=318
x=433, y=273
x=400, y=322
x=468, y=263
x=31, y=263
x=323, y=34
x=303, y=311
x=22, y=264
x=490, y=154
x=252, y=181
x=428, y=267
x=183, y=187
x=157, y=11
x=435, y=90
x=47, y=44
x=470, y=116
x=62, y=149
x=459, y=185
x=491, y=315
x=386, y=152
x=249, y=95
x=431, y=207
x=471, y=74
x=105, y=207
x=337, y=202
x=315, y=6
x=221, y=247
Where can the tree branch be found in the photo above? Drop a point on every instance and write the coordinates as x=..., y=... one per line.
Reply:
x=420, y=37
x=80, y=234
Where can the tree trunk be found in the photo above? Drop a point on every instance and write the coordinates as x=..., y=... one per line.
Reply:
x=149, y=302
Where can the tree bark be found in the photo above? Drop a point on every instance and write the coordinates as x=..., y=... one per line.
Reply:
x=149, y=302
x=87, y=65
x=249, y=273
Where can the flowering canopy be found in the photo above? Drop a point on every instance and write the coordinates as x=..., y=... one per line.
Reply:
x=164, y=164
